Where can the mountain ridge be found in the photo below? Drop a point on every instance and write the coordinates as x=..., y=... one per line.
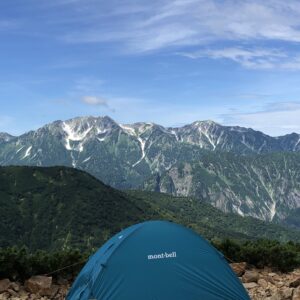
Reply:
x=129, y=156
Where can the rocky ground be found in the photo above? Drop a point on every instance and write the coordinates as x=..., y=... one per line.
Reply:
x=36, y=287
x=265, y=284
x=260, y=283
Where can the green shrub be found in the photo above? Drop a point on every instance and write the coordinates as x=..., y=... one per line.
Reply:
x=262, y=253
x=19, y=264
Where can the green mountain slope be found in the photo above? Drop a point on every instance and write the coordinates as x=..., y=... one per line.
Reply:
x=57, y=206
x=51, y=208
x=212, y=222
x=262, y=186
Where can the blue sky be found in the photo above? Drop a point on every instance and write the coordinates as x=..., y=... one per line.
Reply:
x=169, y=62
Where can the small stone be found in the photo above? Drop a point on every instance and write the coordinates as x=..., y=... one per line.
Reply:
x=280, y=284
x=262, y=282
x=250, y=285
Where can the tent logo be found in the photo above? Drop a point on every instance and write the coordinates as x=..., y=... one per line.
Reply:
x=162, y=255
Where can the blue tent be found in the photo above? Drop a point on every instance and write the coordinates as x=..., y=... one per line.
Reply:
x=157, y=260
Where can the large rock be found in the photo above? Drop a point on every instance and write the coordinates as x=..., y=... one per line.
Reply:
x=239, y=268
x=4, y=296
x=295, y=283
x=15, y=286
x=275, y=296
x=250, y=276
x=40, y=285
x=296, y=293
x=286, y=293
x=4, y=285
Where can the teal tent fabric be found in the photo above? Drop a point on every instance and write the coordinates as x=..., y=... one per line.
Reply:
x=157, y=260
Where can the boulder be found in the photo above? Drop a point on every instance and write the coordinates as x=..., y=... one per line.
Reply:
x=250, y=276
x=15, y=286
x=40, y=285
x=12, y=292
x=239, y=268
x=286, y=293
x=4, y=296
x=296, y=293
x=276, y=296
x=4, y=285
x=295, y=283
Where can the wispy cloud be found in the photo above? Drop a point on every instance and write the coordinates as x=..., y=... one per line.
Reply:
x=252, y=58
x=276, y=118
x=93, y=100
x=187, y=26
x=176, y=22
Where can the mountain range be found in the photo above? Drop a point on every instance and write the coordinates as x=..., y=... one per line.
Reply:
x=58, y=207
x=236, y=169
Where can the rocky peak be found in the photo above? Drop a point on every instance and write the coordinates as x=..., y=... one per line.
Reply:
x=5, y=137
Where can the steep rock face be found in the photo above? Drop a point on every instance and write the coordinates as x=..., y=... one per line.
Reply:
x=266, y=186
x=138, y=155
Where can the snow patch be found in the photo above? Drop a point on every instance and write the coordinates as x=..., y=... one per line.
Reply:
x=295, y=147
x=101, y=139
x=87, y=159
x=206, y=134
x=143, y=143
x=237, y=210
x=272, y=210
x=73, y=135
x=20, y=149
x=101, y=131
x=27, y=153
x=128, y=129
x=175, y=133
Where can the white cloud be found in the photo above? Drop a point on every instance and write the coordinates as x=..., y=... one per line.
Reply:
x=93, y=100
